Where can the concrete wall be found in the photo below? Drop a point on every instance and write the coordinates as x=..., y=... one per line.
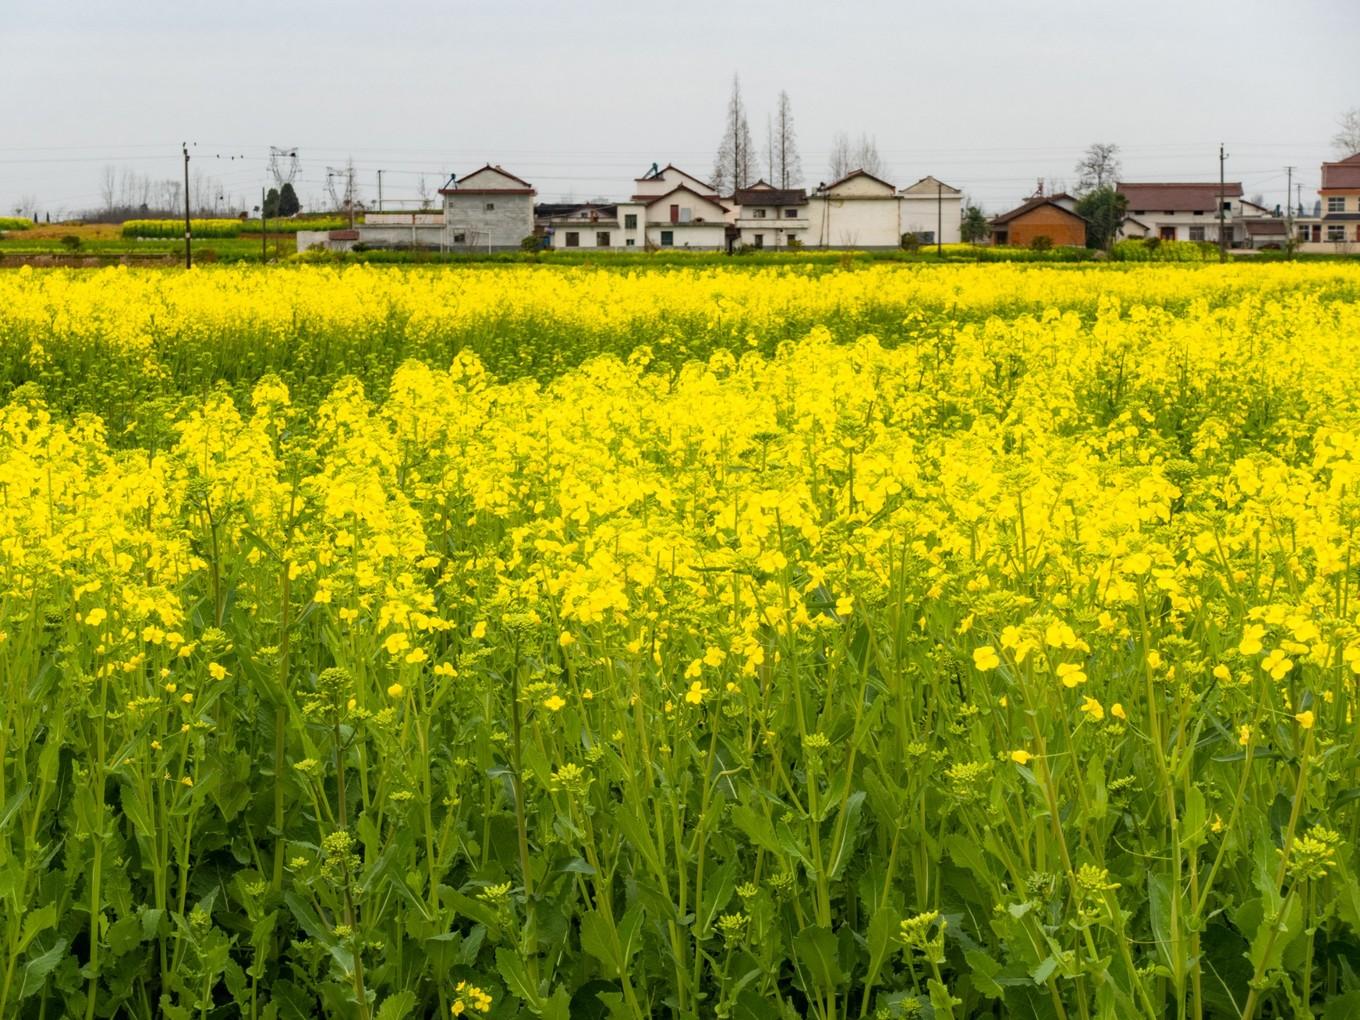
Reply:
x=690, y=235
x=504, y=226
x=423, y=235
x=587, y=236
x=921, y=215
x=854, y=222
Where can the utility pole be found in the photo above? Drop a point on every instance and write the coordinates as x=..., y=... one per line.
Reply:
x=939, y=219
x=380, y=191
x=1289, y=208
x=1222, y=240
x=188, y=231
x=264, y=228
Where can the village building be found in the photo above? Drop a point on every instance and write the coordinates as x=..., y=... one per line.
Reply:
x=930, y=207
x=857, y=211
x=763, y=216
x=489, y=209
x=1188, y=211
x=1340, y=194
x=1050, y=216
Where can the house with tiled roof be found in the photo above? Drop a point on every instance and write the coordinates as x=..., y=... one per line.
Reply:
x=858, y=211
x=1052, y=216
x=1340, y=194
x=1188, y=210
x=763, y=216
x=489, y=209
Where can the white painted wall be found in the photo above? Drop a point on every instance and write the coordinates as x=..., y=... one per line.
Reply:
x=922, y=215
x=836, y=221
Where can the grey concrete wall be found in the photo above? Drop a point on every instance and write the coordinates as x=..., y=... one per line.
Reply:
x=505, y=226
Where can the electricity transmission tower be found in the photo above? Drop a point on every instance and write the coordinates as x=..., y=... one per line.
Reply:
x=283, y=165
x=343, y=204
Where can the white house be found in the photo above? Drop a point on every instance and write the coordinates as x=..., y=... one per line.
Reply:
x=929, y=207
x=1186, y=211
x=668, y=209
x=857, y=211
x=487, y=210
x=763, y=216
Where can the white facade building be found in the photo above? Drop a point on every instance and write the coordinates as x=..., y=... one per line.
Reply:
x=1187, y=211
x=857, y=211
x=931, y=207
x=763, y=216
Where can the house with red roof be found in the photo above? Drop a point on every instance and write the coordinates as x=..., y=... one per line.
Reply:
x=489, y=209
x=1340, y=194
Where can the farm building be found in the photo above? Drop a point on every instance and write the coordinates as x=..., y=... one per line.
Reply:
x=487, y=210
x=1340, y=193
x=763, y=216
x=1050, y=216
x=929, y=207
x=857, y=211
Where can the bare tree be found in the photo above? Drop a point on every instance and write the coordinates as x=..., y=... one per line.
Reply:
x=1098, y=168
x=847, y=156
x=867, y=158
x=27, y=205
x=108, y=188
x=735, y=165
x=839, y=163
x=1346, y=141
x=786, y=168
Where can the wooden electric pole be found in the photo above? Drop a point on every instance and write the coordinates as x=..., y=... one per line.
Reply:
x=188, y=230
x=264, y=228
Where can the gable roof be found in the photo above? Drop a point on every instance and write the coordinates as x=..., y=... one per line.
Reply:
x=769, y=195
x=1342, y=174
x=525, y=187
x=851, y=176
x=1035, y=203
x=671, y=166
x=651, y=200
x=1177, y=197
x=932, y=179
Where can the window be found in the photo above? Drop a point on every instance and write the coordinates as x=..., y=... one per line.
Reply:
x=460, y=239
x=758, y=240
x=927, y=236
x=602, y=239
x=790, y=214
x=686, y=214
x=630, y=221
x=1336, y=203
x=1227, y=207
x=491, y=207
x=573, y=239
x=631, y=243
x=1199, y=212
x=1197, y=233
x=667, y=238
x=1303, y=234
x=759, y=214
x=1336, y=232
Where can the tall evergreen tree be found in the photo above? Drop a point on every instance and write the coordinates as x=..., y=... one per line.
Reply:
x=288, y=201
x=735, y=166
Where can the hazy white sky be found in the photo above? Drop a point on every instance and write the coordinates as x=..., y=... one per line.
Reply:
x=580, y=97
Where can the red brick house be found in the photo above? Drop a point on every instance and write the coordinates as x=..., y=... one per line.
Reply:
x=1051, y=216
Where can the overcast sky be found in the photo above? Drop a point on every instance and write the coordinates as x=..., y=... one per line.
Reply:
x=580, y=97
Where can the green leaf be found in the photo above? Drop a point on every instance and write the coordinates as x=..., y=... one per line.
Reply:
x=398, y=1006
x=716, y=894
x=842, y=851
x=757, y=828
x=1044, y=971
x=37, y=969
x=516, y=978
x=36, y=922
x=1343, y=1007
x=1274, y=935
x=817, y=954
x=882, y=927
x=124, y=935
x=557, y=1006
x=12, y=806
x=982, y=969
x=597, y=939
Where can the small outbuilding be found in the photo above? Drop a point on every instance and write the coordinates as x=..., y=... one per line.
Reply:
x=1050, y=216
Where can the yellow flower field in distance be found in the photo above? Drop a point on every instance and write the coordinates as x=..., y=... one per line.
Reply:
x=519, y=641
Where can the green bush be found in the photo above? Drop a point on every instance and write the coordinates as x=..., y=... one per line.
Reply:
x=15, y=223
